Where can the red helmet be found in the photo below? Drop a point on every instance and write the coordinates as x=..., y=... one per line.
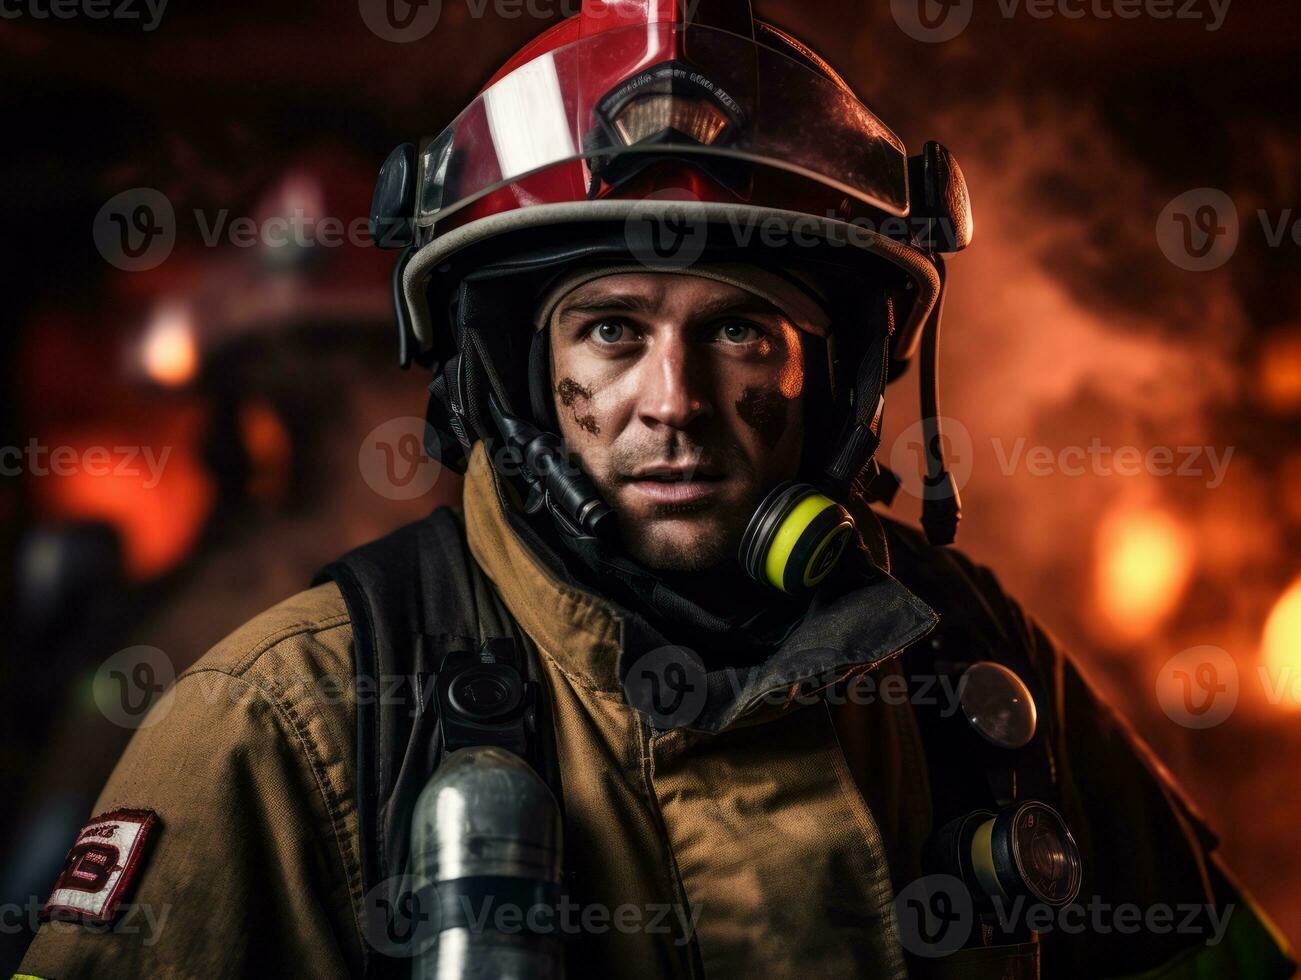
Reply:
x=637, y=129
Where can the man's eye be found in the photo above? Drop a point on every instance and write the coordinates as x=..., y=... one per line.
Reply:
x=610, y=332
x=739, y=333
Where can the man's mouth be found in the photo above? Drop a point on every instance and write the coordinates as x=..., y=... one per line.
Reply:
x=675, y=483
x=676, y=473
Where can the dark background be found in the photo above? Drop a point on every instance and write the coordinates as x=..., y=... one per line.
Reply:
x=266, y=374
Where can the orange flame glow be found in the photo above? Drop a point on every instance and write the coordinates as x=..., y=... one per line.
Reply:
x=158, y=508
x=169, y=352
x=1143, y=566
x=1280, y=373
x=1281, y=648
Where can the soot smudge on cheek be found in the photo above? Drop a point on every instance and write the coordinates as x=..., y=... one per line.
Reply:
x=569, y=391
x=765, y=410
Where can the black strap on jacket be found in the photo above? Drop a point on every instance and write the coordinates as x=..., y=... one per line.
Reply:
x=421, y=609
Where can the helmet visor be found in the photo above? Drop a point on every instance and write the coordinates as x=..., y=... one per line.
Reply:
x=602, y=109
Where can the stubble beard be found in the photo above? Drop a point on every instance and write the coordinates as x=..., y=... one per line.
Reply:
x=684, y=538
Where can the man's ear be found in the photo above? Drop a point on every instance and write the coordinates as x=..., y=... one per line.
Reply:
x=541, y=398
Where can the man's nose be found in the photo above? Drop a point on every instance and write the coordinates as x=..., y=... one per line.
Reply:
x=673, y=390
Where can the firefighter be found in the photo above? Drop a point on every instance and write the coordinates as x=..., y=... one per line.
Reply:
x=663, y=270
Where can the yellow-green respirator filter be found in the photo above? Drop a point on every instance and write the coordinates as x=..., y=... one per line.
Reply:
x=795, y=538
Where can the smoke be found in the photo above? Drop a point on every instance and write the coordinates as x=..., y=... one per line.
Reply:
x=1068, y=327
x=1070, y=336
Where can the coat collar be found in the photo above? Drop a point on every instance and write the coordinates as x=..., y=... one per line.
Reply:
x=594, y=641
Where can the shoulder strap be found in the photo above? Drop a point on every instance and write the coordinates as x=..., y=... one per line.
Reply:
x=416, y=597
x=977, y=624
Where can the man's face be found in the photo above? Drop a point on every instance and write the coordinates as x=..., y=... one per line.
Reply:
x=682, y=397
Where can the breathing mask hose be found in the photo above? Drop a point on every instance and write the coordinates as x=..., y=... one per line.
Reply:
x=569, y=492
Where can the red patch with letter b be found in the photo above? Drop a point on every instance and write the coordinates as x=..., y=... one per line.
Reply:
x=100, y=867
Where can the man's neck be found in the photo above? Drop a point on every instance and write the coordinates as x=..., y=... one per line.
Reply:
x=723, y=589
x=723, y=592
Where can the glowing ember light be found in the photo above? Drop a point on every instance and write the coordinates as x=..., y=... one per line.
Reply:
x=168, y=352
x=1145, y=559
x=269, y=446
x=1280, y=373
x=1281, y=648
x=154, y=489
x=1289, y=479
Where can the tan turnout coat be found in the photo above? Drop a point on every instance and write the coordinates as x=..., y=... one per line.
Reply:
x=772, y=847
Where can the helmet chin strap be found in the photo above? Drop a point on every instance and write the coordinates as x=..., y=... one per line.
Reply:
x=941, y=505
x=941, y=502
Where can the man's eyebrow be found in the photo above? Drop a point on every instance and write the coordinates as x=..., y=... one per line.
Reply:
x=625, y=302
x=735, y=306
x=636, y=303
